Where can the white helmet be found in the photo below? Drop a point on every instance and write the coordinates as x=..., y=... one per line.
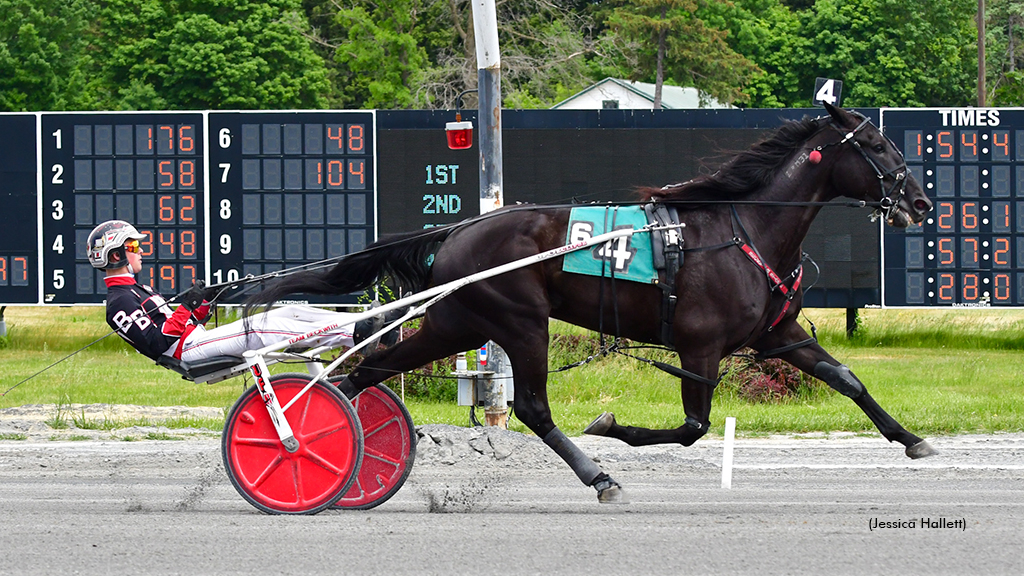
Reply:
x=110, y=237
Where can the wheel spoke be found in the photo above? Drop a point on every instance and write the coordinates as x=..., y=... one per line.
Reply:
x=262, y=442
x=268, y=471
x=316, y=459
x=377, y=427
x=371, y=453
x=324, y=432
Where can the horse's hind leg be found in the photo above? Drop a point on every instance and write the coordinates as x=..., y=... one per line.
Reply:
x=815, y=361
x=696, y=403
x=527, y=350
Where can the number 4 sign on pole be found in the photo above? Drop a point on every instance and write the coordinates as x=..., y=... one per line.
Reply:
x=827, y=90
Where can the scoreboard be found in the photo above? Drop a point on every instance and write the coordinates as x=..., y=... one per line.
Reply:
x=146, y=169
x=217, y=195
x=19, y=247
x=969, y=251
x=288, y=189
x=222, y=195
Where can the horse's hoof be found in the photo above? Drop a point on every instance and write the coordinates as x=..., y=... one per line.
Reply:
x=921, y=450
x=609, y=492
x=600, y=425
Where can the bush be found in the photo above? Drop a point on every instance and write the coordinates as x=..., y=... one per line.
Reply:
x=764, y=381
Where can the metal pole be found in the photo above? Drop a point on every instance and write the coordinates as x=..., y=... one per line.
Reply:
x=981, y=54
x=488, y=61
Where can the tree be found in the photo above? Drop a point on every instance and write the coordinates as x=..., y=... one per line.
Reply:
x=1004, y=52
x=375, y=50
x=887, y=52
x=767, y=33
x=42, y=44
x=669, y=39
x=206, y=54
x=422, y=53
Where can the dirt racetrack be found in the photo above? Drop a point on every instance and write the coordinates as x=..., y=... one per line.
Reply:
x=490, y=501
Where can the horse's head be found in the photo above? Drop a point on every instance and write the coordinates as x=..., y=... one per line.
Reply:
x=875, y=170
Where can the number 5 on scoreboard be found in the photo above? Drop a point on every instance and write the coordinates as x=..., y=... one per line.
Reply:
x=827, y=90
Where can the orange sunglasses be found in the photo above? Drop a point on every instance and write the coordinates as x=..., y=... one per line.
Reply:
x=132, y=246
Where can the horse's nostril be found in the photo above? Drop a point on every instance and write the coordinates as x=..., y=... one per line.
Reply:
x=921, y=205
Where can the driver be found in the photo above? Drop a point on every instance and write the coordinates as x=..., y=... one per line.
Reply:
x=143, y=318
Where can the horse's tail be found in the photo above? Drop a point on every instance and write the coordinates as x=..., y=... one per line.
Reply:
x=401, y=257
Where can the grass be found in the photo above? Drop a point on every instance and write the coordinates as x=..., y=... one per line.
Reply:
x=936, y=371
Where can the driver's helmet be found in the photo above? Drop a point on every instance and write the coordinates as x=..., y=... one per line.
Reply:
x=107, y=238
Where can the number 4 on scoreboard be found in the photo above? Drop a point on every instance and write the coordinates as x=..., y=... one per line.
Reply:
x=827, y=90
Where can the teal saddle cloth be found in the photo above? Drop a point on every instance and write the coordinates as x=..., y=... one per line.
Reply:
x=631, y=257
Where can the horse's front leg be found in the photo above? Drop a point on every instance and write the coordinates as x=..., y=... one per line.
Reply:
x=815, y=361
x=697, y=390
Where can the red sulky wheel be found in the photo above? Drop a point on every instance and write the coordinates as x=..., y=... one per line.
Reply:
x=314, y=476
x=389, y=449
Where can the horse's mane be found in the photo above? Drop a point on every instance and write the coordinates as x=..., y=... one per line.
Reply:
x=748, y=171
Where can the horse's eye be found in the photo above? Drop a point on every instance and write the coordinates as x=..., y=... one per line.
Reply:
x=879, y=148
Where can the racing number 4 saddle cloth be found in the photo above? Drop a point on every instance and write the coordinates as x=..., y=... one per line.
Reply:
x=638, y=258
x=626, y=258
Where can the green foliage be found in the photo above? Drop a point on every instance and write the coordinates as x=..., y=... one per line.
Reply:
x=216, y=54
x=767, y=33
x=1004, y=52
x=42, y=44
x=669, y=39
x=380, y=55
x=888, y=52
x=274, y=54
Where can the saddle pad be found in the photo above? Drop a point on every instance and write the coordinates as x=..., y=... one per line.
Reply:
x=630, y=257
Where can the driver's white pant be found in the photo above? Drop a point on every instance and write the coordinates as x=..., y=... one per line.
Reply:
x=268, y=328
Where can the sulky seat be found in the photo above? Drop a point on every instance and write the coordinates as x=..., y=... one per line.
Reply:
x=207, y=370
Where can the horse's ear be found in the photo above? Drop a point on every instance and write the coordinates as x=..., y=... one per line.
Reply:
x=837, y=114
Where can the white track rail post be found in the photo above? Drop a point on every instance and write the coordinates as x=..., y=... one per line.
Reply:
x=488, y=61
x=730, y=436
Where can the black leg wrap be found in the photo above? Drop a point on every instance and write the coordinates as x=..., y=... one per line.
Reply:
x=840, y=379
x=348, y=388
x=585, y=468
x=693, y=429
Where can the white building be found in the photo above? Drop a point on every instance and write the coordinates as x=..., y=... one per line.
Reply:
x=618, y=93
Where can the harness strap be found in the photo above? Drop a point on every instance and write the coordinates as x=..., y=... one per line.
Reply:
x=673, y=370
x=764, y=355
x=776, y=283
x=672, y=248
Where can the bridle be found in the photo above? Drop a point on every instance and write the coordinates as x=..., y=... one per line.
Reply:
x=889, y=203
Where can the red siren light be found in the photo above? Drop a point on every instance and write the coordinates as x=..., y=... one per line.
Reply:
x=460, y=135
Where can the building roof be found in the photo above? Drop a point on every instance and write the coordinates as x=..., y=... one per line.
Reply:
x=638, y=94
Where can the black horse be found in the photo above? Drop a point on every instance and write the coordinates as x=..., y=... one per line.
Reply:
x=756, y=209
